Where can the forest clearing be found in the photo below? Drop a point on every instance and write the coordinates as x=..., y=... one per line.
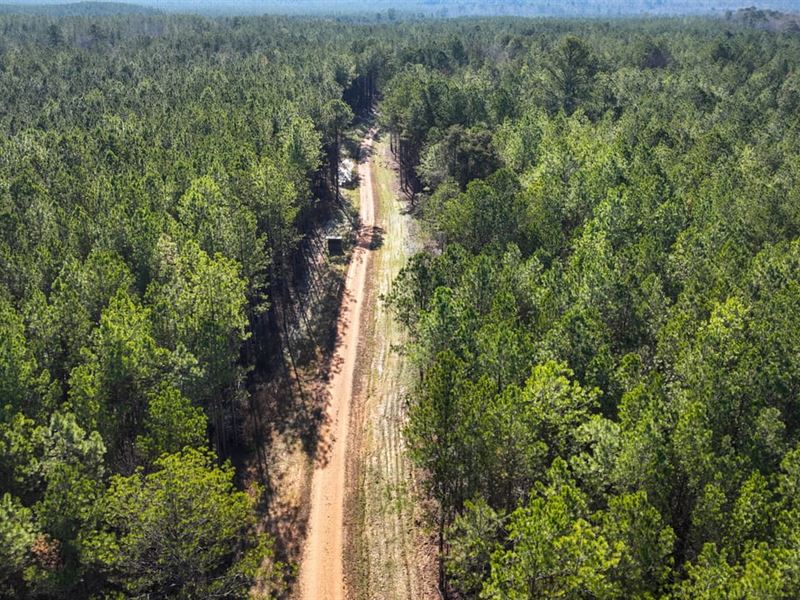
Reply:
x=391, y=551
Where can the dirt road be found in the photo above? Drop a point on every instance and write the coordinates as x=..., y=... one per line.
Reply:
x=321, y=570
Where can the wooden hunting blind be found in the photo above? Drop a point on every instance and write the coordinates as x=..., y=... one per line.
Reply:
x=335, y=245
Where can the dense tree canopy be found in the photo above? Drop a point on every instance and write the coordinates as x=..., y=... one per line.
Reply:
x=605, y=327
x=605, y=322
x=156, y=175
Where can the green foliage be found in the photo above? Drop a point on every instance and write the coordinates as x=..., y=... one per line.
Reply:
x=183, y=531
x=459, y=154
x=433, y=428
x=17, y=536
x=553, y=552
x=489, y=213
x=646, y=544
x=172, y=423
x=154, y=187
x=473, y=534
x=222, y=225
x=108, y=391
x=604, y=322
x=569, y=75
x=616, y=300
x=22, y=386
x=199, y=304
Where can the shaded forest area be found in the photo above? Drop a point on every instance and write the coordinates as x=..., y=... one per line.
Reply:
x=605, y=325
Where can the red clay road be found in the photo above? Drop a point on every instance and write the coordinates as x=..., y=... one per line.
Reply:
x=321, y=571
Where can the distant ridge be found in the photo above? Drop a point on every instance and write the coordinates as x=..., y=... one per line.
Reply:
x=770, y=14
x=78, y=9
x=459, y=8
x=770, y=20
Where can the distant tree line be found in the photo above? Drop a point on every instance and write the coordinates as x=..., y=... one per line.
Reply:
x=394, y=10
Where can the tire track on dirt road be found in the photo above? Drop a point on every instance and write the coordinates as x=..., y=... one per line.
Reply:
x=321, y=570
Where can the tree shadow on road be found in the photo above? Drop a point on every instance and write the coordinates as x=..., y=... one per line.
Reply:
x=288, y=420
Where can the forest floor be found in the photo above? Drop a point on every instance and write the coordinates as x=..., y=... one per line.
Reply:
x=365, y=536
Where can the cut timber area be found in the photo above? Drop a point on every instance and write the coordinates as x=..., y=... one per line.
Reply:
x=361, y=539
